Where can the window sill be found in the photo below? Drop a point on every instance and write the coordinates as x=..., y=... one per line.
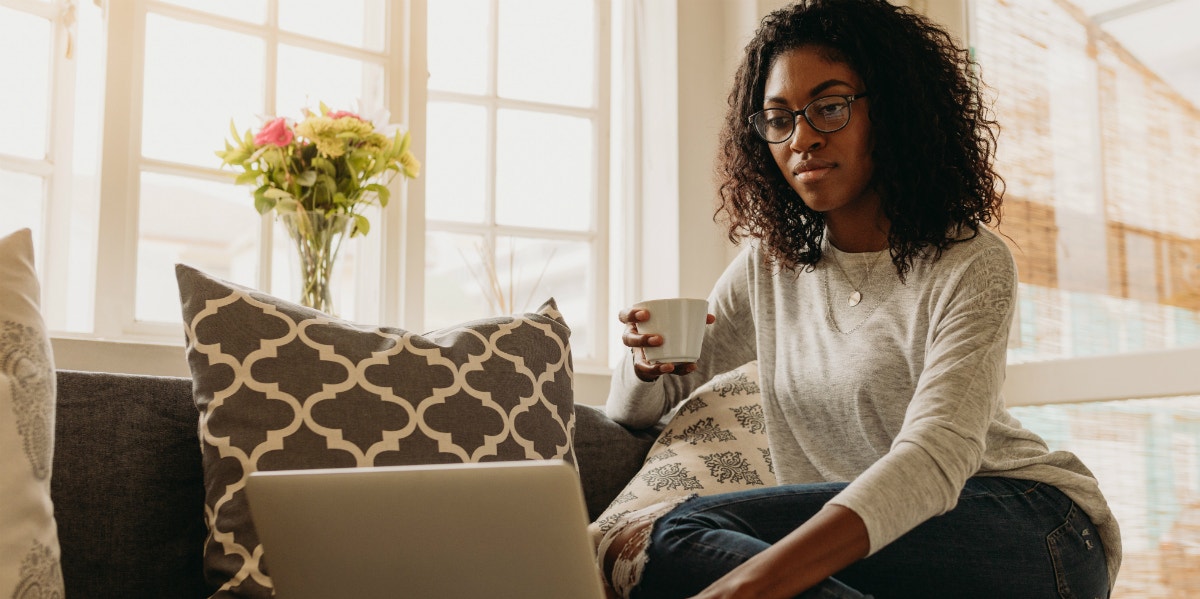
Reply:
x=1165, y=373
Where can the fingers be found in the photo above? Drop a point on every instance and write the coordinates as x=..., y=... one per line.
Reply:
x=646, y=370
x=633, y=315
x=631, y=337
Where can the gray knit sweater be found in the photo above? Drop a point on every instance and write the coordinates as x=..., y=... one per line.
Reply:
x=899, y=395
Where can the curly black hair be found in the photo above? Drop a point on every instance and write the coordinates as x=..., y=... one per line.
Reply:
x=934, y=137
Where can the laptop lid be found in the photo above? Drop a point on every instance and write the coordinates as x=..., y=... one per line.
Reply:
x=497, y=529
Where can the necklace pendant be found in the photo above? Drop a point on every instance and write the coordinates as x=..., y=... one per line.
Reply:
x=855, y=298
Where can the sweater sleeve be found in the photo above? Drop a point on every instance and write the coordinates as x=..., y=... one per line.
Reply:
x=942, y=440
x=728, y=344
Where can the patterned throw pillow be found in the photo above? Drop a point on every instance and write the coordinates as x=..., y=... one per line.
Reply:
x=715, y=442
x=29, y=550
x=280, y=386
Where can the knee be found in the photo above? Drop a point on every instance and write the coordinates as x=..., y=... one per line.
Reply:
x=689, y=521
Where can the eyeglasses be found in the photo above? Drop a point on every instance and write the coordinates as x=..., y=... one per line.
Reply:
x=825, y=114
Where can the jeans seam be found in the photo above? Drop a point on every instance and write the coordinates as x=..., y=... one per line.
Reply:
x=1036, y=485
x=1052, y=548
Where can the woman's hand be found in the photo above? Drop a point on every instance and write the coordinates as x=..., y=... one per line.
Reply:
x=643, y=368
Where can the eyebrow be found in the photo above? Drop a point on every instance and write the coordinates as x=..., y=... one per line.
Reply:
x=820, y=87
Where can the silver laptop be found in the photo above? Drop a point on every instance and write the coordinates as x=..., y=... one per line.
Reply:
x=497, y=530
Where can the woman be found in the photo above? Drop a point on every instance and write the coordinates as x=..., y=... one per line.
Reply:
x=857, y=159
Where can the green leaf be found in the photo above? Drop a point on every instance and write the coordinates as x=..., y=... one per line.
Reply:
x=262, y=203
x=382, y=192
x=362, y=226
x=259, y=153
x=288, y=204
x=324, y=165
x=307, y=178
x=247, y=177
x=327, y=183
x=278, y=194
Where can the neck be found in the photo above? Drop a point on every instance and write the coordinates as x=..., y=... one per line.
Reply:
x=857, y=237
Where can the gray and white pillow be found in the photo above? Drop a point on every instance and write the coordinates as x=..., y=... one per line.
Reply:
x=715, y=442
x=280, y=386
x=29, y=551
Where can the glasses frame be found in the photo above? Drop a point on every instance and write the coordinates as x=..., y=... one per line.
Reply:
x=803, y=112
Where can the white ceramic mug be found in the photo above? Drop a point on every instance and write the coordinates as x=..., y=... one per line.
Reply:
x=680, y=321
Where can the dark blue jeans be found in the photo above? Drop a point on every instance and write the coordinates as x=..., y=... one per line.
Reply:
x=1005, y=539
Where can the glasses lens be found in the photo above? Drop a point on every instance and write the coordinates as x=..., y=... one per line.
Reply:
x=774, y=125
x=828, y=114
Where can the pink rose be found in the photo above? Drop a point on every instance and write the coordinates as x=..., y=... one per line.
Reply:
x=337, y=114
x=276, y=133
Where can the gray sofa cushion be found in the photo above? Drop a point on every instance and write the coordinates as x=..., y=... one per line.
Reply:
x=608, y=455
x=127, y=486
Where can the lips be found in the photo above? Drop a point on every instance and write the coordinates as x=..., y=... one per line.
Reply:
x=812, y=170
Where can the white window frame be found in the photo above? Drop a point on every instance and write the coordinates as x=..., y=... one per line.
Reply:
x=597, y=235
x=122, y=162
x=55, y=168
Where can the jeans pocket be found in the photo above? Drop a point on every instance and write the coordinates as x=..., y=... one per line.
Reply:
x=1078, y=557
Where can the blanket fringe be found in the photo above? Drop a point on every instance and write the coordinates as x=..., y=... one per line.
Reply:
x=632, y=557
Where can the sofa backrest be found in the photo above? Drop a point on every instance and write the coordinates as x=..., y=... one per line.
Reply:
x=127, y=486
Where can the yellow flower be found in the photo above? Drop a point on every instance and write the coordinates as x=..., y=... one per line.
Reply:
x=334, y=162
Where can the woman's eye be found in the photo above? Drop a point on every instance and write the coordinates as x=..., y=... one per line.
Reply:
x=831, y=112
x=779, y=122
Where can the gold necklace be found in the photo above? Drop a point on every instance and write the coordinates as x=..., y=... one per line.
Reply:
x=856, y=296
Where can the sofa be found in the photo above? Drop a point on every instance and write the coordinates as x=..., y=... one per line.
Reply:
x=128, y=488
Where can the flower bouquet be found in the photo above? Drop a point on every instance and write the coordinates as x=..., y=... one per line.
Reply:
x=317, y=174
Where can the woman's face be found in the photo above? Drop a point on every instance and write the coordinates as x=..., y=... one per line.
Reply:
x=831, y=171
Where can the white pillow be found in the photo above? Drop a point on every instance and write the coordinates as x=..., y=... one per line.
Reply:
x=29, y=551
x=715, y=442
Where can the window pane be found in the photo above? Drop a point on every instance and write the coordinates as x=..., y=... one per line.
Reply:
x=308, y=77
x=211, y=226
x=456, y=168
x=358, y=23
x=459, y=285
x=460, y=282
x=544, y=170
x=458, y=46
x=543, y=268
x=1145, y=454
x=547, y=51
x=254, y=11
x=23, y=204
x=197, y=79
x=25, y=93
x=1102, y=164
x=456, y=280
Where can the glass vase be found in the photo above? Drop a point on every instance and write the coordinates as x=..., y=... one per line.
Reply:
x=317, y=238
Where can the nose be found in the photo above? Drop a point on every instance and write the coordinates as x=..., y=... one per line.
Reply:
x=805, y=138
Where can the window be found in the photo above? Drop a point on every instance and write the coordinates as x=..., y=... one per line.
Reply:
x=516, y=184
x=1100, y=157
x=513, y=141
